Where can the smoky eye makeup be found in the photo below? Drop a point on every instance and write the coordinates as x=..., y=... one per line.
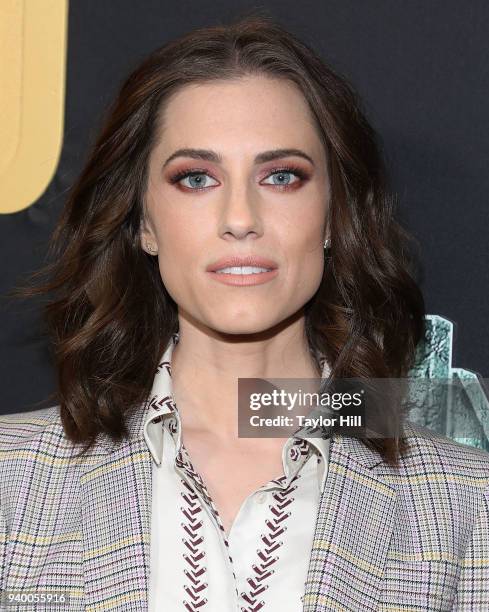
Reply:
x=300, y=173
x=288, y=169
x=181, y=174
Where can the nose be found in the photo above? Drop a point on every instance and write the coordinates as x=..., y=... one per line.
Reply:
x=240, y=214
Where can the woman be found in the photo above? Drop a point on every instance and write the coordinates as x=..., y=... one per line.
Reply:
x=230, y=148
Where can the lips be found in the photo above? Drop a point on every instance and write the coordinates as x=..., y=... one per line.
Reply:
x=240, y=261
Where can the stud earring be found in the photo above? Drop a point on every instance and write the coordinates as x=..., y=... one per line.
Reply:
x=151, y=248
x=326, y=243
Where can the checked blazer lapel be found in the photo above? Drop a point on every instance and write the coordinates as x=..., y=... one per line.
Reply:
x=116, y=514
x=354, y=525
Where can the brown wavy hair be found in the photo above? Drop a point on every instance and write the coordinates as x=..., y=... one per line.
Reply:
x=109, y=315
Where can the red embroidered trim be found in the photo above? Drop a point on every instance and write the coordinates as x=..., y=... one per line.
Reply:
x=182, y=460
x=299, y=449
x=195, y=572
x=263, y=568
x=157, y=402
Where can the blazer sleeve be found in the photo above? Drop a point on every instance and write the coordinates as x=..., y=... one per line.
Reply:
x=473, y=585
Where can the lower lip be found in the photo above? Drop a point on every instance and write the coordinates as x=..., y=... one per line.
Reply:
x=245, y=280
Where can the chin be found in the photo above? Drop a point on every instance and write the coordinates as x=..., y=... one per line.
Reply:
x=248, y=323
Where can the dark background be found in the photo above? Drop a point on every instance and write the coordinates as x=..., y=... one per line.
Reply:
x=422, y=70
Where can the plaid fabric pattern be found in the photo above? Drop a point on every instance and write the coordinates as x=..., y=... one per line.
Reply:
x=415, y=538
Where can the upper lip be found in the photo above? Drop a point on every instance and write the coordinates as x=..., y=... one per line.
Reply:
x=238, y=261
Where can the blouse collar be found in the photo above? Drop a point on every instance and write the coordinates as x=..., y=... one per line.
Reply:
x=161, y=404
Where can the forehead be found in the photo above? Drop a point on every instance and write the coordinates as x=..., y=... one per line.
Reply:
x=253, y=111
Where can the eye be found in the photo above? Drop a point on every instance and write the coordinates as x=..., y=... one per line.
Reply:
x=196, y=179
x=281, y=177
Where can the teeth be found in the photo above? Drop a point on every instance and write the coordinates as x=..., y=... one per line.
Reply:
x=242, y=270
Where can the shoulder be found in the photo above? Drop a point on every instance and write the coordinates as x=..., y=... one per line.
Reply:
x=437, y=454
x=23, y=429
x=438, y=475
x=33, y=442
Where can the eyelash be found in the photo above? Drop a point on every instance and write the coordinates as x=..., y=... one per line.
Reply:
x=285, y=169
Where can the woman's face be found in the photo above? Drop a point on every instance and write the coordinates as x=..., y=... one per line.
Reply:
x=238, y=201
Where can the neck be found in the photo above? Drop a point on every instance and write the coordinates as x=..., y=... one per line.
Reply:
x=206, y=366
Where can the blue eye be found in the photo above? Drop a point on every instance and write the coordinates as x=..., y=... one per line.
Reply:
x=282, y=177
x=197, y=180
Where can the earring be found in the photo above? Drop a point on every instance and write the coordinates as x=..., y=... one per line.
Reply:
x=151, y=248
x=326, y=243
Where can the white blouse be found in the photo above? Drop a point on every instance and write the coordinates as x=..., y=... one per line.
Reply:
x=262, y=563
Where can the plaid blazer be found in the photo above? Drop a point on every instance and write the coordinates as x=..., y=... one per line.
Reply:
x=414, y=538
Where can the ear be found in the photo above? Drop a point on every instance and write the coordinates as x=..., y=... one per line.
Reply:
x=147, y=236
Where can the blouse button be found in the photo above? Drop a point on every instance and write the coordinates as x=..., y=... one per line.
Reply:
x=260, y=498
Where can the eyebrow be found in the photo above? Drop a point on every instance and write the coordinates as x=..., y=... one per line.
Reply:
x=261, y=158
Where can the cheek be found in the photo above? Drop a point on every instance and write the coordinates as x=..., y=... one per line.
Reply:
x=305, y=259
x=179, y=231
x=308, y=273
x=178, y=245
